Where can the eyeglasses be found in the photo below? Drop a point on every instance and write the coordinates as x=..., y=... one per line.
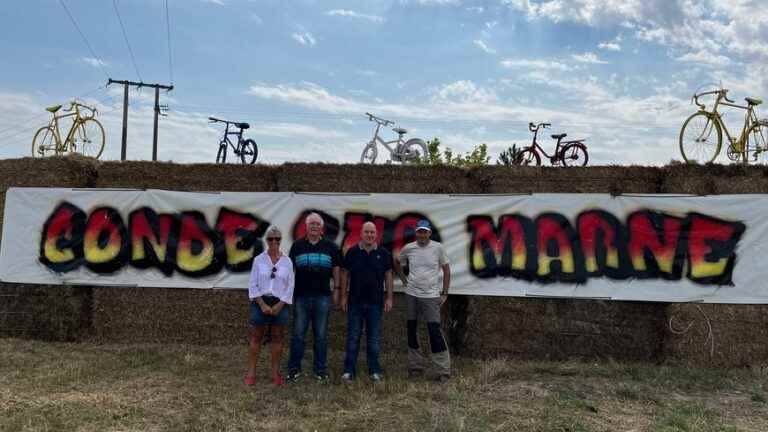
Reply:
x=272, y=276
x=271, y=239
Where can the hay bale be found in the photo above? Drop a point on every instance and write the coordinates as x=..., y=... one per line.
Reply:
x=715, y=179
x=375, y=179
x=717, y=335
x=600, y=179
x=560, y=329
x=47, y=312
x=183, y=177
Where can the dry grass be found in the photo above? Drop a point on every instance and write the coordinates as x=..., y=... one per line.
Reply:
x=58, y=386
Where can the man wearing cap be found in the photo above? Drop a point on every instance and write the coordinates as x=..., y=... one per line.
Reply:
x=425, y=259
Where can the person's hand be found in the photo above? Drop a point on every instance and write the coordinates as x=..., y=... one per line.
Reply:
x=343, y=304
x=404, y=280
x=335, y=298
x=443, y=298
x=266, y=310
x=388, y=303
x=277, y=308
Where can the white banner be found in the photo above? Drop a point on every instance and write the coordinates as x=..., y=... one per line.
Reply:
x=650, y=248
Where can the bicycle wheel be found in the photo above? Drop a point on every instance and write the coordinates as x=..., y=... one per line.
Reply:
x=369, y=153
x=528, y=157
x=574, y=155
x=249, y=152
x=698, y=143
x=221, y=156
x=88, y=139
x=414, y=150
x=757, y=143
x=44, y=142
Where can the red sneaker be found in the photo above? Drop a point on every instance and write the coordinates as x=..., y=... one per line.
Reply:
x=278, y=381
x=250, y=380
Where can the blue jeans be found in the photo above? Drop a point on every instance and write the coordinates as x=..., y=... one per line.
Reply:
x=357, y=314
x=308, y=309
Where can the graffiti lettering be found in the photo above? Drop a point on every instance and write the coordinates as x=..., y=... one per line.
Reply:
x=181, y=242
x=650, y=245
x=391, y=234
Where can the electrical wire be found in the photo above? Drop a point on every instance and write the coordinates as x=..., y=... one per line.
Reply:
x=127, y=43
x=99, y=62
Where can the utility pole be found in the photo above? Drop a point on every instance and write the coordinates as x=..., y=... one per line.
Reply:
x=157, y=88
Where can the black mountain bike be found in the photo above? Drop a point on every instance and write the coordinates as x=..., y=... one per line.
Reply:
x=245, y=148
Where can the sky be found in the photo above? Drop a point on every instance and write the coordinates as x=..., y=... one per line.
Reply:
x=303, y=72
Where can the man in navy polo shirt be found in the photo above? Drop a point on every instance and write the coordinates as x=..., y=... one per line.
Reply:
x=366, y=270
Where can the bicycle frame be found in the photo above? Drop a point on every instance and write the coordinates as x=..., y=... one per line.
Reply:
x=61, y=146
x=749, y=119
x=377, y=139
x=239, y=135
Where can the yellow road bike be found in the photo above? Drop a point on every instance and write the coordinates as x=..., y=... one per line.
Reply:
x=701, y=136
x=85, y=136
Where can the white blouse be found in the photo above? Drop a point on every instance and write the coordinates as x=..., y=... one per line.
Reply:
x=281, y=286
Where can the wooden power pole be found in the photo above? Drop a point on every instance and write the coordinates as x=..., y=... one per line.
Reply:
x=157, y=88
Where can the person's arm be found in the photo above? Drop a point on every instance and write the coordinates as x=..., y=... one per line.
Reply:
x=446, y=282
x=277, y=308
x=399, y=268
x=390, y=300
x=253, y=289
x=344, y=291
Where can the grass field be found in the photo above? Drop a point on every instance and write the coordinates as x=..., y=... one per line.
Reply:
x=80, y=387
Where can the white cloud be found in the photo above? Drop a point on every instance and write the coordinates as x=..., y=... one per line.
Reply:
x=216, y=2
x=353, y=14
x=257, y=19
x=535, y=64
x=706, y=58
x=588, y=57
x=94, y=62
x=305, y=38
x=482, y=45
x=609, y=46
x=475, y=9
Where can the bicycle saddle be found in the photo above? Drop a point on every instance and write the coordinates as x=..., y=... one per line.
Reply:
x=54, y=108
x=400, y=131
x=559, y=136
x=753, y=101
x=242, y=125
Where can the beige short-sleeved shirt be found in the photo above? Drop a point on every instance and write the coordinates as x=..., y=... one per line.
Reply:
x=424, y=268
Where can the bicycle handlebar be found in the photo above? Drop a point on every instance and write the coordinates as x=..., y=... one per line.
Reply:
x=217, y=120
x=534, y=128
x=379, y=120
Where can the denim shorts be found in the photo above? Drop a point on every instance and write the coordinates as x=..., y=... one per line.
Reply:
x=259, y=319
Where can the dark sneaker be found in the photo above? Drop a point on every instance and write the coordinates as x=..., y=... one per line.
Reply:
x=293, y=377
x=321, y=377
x=415, y=373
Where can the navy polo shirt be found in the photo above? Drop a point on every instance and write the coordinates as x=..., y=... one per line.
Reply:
x=367, y=274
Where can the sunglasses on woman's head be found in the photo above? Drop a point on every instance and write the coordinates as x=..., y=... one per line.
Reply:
x=271, y=239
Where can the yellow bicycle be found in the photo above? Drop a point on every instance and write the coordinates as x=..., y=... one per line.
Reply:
x=85, y=136
x=701, y=136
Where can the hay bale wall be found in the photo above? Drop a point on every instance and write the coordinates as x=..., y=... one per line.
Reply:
x=479, y=326
x=39, y=311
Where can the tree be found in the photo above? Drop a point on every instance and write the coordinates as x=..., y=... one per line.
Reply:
x=477, y=157
x=509, y=156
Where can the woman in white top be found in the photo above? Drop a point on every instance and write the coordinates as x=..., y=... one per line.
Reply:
x=270, y=289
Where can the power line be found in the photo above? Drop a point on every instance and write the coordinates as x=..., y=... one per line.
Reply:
x=168, y=34
x=125, y=36
x=99, y=62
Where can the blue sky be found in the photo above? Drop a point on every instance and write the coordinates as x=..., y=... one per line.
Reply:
x=302, y=72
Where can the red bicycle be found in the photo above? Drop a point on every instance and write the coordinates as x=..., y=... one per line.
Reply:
x=569, y=153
